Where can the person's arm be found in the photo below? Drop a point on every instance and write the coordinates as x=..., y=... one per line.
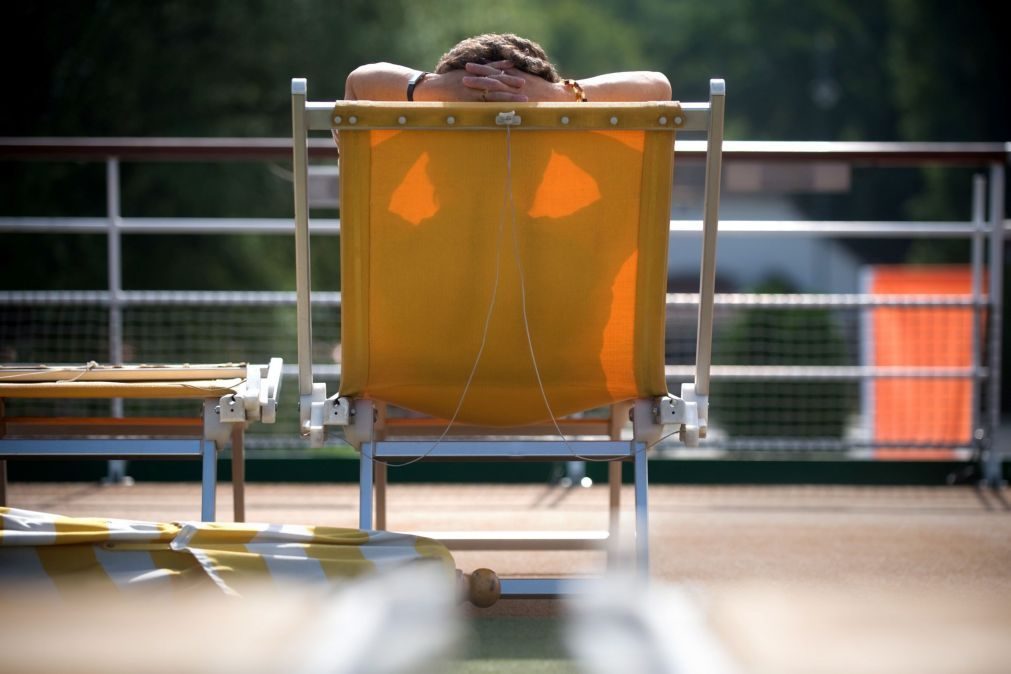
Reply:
x=388, y=82
x=609, y=88
x=499, y=82
x=628, y=86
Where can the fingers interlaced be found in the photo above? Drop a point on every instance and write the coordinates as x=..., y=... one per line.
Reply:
x=492, y=82
x=489, y=72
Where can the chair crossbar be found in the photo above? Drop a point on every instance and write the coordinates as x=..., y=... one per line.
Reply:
x=520, y=540
x=541, y=588
x=118, y=448
x=505, y=449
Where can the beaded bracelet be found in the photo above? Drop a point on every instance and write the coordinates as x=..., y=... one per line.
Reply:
x=577, y=89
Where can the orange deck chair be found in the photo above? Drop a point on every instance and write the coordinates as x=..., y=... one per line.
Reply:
x=504, y=267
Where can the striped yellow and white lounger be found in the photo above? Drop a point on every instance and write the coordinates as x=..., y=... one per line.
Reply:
x=65, y=555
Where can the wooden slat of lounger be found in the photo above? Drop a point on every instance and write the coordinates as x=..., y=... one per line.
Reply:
x=92, y=426
x=111, y=389
x=111, y=373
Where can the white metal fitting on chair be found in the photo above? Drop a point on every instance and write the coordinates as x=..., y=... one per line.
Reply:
x=361, y=421
x=337, y=411
x=232, y=408
x=700, y=424
x=644, y=422
x=683, y=412
x=215, y=429
x=310, y=414
x=263, y=385
x=508, y=119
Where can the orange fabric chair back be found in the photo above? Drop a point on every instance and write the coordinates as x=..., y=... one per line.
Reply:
x=542, y=249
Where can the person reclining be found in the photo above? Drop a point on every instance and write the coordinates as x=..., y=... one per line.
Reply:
x=500, y=68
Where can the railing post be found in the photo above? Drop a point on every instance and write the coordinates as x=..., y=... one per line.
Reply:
x=116, y=473
x=710, y=225
x=976, y=346
x=303, y=276
x=994, y=453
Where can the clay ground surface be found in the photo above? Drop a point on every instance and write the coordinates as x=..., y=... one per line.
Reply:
x=812, y=579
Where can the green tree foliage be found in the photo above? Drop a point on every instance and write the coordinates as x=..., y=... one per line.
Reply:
x=170, y=68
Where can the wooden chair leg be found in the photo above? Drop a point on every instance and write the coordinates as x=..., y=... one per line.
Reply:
x=239, y=472
x=619, y=419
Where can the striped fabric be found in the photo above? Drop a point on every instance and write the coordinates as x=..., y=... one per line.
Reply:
x=65, y=554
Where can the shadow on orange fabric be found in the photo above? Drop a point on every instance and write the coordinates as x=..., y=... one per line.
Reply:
x=441, y=228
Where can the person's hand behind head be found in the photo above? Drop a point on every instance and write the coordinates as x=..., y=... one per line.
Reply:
x=504, y=82
x=497, y=81
x=537, y=88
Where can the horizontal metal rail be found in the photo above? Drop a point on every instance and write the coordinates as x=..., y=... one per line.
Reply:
x=825, y=301
x=816, y=444
x=279, y=149
x=826, y=372
x=840, y=228
x=772, y=372
x=162, y=297
x=285, y=226
x=762, y=372
x=331, y=226
x=333, y=299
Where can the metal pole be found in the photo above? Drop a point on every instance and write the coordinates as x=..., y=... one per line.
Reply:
x=116, y=473
x=209, y=479
x=641, y=509
x=303, y=280
x=976, y=258
x=3, y=464
x=619, y=419
x=379, y=477
x=365, y=519
x=993, y=455
x=710, y=225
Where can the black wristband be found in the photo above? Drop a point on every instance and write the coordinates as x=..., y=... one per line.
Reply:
x=414, y=82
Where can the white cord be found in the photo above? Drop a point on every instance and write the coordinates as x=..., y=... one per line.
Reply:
x=526, y=320
x=484, y=333
x=509, y=203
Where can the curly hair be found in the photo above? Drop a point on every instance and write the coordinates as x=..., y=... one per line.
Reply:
x=526, y=55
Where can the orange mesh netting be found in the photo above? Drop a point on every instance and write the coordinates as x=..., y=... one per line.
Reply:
x=922, y=410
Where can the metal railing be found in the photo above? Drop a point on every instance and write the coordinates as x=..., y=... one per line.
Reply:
x=987, y=225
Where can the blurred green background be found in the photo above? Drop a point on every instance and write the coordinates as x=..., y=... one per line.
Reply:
x=890, y=70
x=818, y=69
x=884, y=70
